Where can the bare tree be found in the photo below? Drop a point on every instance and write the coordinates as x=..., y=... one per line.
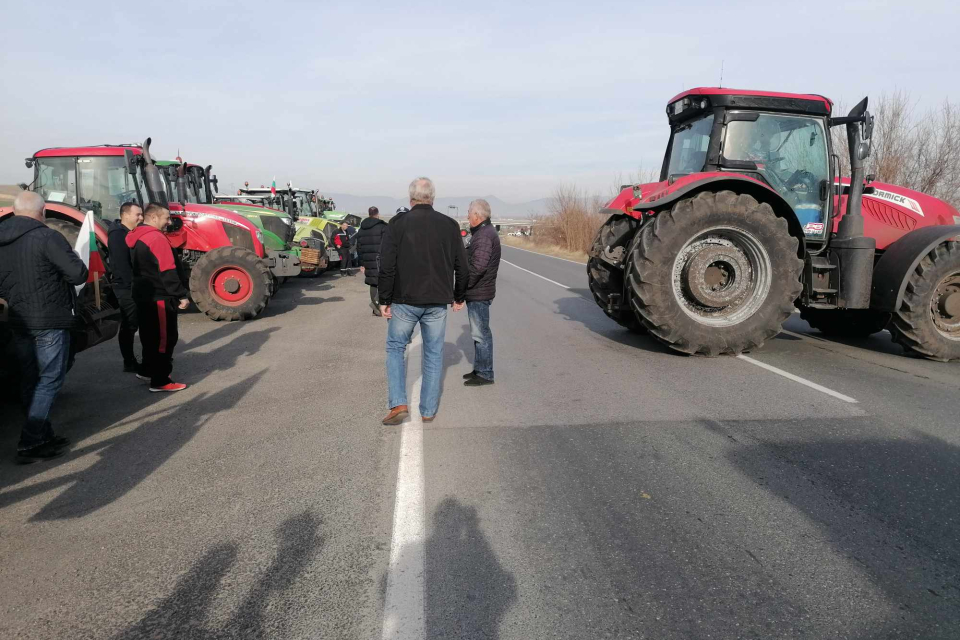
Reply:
x=572, y=219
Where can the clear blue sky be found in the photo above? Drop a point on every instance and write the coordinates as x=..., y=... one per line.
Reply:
x=508, y=98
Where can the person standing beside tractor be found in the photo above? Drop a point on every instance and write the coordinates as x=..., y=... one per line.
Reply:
x=368, y=246
x=158, y=292
x=131, y=215
x=38, y=272
x=483, y=257
x=420, y=251
x=342, y=242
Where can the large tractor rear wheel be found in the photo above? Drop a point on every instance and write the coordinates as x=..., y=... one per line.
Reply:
x=718, y=273
x=846, y=323
x=928, y=320
x=231, y=283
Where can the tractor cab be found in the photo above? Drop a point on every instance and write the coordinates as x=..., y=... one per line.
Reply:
x=781, y=140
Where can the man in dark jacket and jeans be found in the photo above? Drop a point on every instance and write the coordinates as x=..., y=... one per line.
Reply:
x=38, y=273
x=131, y=215
x=484, y=258
x=158, y=292
x=423, y=268
x=368, y=245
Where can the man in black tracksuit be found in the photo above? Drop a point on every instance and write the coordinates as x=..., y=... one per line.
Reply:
x=121, y=267
x=158, y=292
x=341, y=240
x=368, y=246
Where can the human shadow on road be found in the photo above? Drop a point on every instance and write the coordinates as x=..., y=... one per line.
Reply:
x=585, y=311
x=468, y=592
x=185, y=613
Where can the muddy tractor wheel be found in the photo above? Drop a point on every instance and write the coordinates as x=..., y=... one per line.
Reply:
x=605, y=280
x=846, y=323
x=928, y=320
x=231, y=283
x=718, y=273
x=68, y=230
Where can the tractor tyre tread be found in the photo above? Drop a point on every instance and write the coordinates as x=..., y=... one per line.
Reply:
x=599, y=282
x=258, y=272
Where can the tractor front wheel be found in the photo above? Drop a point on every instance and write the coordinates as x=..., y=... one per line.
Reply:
x=605, y=280
x=846, y=323
x=928, y=320
x=717, y=273
x=231, y=283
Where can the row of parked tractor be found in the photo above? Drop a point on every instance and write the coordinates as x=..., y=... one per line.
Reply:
x=234, y=250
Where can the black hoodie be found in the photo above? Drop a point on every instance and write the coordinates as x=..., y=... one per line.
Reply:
x=38, y=272
x=120, y=266
x=368, y=247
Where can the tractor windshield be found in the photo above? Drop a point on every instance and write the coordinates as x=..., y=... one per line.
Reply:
x=93, y=183
x=791, y=154
x=688, y=152
x=305, y=207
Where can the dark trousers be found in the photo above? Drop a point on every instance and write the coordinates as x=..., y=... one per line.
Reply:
x=374, y=297
x=479, y=316
x=128, y=324
x=158, y=337
x=344, y=258
x=42, y=356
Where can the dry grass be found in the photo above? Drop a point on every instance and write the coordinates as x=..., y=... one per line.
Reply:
x=546, y=249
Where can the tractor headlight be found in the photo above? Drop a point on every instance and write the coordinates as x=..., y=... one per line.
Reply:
x=260, y=236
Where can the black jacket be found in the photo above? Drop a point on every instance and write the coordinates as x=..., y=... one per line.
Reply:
x=155, y=275
x=38, y=272
x=368, y=247
x=422, y=259
x=484, y=258
x=121, y=266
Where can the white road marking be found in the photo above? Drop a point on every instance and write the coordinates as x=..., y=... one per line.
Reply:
x=403, y=609
x=536, y=274
x=803, y=381
x=537, y=253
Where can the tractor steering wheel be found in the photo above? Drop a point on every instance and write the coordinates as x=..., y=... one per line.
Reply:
x=802, y=177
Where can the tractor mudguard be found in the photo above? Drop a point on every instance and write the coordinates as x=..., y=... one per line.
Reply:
x=738, y=184
x=900, y=259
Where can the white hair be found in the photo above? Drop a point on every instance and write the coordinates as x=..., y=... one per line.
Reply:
x=422, y=191
x=480, y=207
x=30, y=204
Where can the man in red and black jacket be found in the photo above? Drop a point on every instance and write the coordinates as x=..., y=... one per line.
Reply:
x=158, y=292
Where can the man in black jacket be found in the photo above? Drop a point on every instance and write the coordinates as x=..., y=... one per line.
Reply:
x=158, y=292
x=423, y=268
x=131, y=215
x=368, y=246
x=38, y=273
x=484, y=258
x=341, y=240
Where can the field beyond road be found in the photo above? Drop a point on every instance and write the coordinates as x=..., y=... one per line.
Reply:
x=604, y=487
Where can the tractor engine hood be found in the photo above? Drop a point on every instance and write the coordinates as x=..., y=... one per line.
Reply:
x=241, y=231
x=882, y=200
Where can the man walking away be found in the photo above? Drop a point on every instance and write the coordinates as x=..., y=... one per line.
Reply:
x=484, y=259
x=131, y=215
x=342, y=242
x=421, y=249
x=158, y=292
x=38, y=273
x=368, y=245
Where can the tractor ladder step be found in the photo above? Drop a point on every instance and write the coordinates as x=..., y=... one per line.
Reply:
x=816, y=290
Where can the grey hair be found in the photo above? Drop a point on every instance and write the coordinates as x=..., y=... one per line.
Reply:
x=481, y=207
x=30, y=204
x=422, y=191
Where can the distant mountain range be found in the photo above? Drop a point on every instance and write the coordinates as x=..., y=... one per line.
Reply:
x=388, y=205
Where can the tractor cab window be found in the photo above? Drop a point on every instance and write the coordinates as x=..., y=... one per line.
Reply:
x=57, y=180
x=305, y=208
x=791, y=154
x=105, y=184
x=688, y=152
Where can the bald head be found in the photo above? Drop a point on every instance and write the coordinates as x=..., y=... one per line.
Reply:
x=29, y=204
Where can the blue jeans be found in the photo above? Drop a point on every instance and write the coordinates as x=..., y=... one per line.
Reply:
x=479, y=314
x=433, y=327
x=43, y=357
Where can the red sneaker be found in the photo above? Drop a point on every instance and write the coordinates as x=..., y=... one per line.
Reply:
x=173, y=386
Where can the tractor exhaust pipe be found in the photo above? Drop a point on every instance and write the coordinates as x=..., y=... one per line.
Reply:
x=151, y=176
x=853, y=252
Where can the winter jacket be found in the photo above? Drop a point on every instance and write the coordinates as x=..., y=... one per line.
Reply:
x=422, y=259
x=368, y=246
x=341, y=239
x=155, y=274
x=484, y=258
x=38, y=272
x=121, y=267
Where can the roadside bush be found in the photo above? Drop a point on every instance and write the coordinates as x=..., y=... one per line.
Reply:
x=571, y=222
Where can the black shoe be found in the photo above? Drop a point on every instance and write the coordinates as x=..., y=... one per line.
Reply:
x=59, y=441
x=45, y=451
x=476, y=381
x=131, y=367
x=472, y=374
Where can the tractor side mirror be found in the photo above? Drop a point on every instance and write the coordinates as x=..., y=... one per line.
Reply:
x=29, y=163
x=866, y=133
x=130, y=161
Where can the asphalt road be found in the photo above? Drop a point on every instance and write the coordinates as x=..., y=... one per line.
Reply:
x=604, y=487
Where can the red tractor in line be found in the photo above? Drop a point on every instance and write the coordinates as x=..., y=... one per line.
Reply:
x=751, y=219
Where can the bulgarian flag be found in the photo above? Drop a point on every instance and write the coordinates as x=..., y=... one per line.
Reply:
x=273, y=187
x=86, y=248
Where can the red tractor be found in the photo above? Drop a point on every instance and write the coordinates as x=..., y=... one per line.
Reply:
x=751, y=219
x=230, y=273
